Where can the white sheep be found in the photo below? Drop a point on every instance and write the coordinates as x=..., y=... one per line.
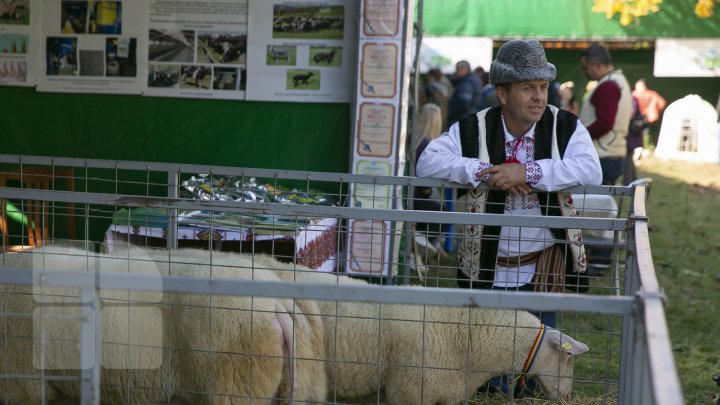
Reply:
x=430, y=355
x=237, y=348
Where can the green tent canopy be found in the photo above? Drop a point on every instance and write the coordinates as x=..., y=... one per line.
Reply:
x=561, y=19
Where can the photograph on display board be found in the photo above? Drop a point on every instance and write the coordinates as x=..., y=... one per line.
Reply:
x=308, y=21
x=303, y=79
x=120, y=55
x=73, y=17
x=227, y=78
x=163, y=76
x=13, y=43
x=222, y=48
x=171, y=46
x=195, y=77
x=92, y=63
x=105, y=17
x=61, y=56
x=281, y=55
x=13, y=71
x=325, y=56
x=15, y=12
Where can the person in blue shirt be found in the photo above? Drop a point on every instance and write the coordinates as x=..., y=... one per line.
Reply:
x=467, y=96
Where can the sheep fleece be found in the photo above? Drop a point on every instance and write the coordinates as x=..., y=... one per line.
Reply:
x=204, y=345
x=430, y=355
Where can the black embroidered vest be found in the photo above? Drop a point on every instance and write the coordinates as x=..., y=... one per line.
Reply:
x=549, y=202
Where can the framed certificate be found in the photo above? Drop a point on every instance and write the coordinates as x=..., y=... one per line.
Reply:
x=378, y=70
x=381, y=18
x=376, y=130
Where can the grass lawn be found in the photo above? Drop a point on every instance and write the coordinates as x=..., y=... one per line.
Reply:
x=684, y=215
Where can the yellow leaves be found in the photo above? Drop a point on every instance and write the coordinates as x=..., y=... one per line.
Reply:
x=632, y=10
x=704, y=8
x=629, y=10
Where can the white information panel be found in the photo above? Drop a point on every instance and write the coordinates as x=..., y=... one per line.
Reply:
x=687, y=57
x=445, y=52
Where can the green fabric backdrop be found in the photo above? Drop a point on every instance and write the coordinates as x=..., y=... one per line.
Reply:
x=293, y=136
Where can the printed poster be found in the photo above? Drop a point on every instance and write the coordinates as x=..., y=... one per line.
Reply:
x=197, y=48
x=19, y=42
x=93, y=46
x=301, y=50
x=381, y=18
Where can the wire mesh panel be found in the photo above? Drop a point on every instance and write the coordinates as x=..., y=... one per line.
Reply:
x=238, y=289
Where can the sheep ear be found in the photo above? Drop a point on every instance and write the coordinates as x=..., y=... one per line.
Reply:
x=564, y=342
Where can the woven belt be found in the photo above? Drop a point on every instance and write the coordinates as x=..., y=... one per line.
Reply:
x=517, y=261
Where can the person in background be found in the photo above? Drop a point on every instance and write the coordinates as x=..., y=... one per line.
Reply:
x=638, y=125
x=438, y=93
x=489, y=97
x=554, y=94
x=651, y=104
x=465, y=99
x=480, y=73
x=567, y=98
x=428, y=128
x=606, y=112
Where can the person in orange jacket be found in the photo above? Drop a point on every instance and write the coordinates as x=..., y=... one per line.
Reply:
x=651, y=105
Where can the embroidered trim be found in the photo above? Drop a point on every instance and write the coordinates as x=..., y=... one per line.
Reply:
x=482, y=166
x=533, y=173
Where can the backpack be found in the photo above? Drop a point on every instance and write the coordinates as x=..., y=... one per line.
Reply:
x=638, y=121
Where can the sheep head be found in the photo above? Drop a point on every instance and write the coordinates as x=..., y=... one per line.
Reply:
x=554, y=364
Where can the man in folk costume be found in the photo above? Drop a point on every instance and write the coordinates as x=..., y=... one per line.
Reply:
x=525, y=150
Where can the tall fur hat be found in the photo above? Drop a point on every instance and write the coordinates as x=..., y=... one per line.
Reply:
x=519, y=61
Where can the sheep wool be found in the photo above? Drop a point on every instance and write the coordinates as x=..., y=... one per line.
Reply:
x=160, y=348
x=431, y=355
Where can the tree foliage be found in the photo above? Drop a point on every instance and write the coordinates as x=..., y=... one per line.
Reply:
x=632, y=10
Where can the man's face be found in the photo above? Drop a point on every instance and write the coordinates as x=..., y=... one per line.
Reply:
x=524, y=104
x=590, y=69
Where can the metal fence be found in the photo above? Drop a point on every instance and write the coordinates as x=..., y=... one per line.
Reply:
x=331, y=223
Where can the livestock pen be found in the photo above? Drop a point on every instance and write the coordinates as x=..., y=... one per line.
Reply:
x=94, y=317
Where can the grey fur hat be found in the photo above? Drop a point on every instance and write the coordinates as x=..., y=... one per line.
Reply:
x=521, y=60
